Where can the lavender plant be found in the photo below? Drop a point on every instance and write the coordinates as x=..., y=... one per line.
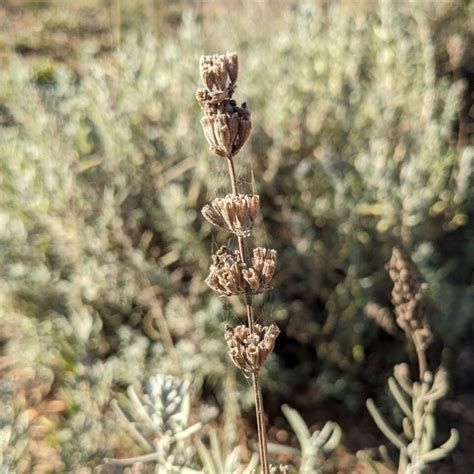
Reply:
x=417, y=400
x=215, y=460
x=315, y=447
x=158, y=421
x=227, y=127
x=13, y=432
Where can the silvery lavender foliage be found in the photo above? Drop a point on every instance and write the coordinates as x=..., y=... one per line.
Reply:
x=368, y=119
x=215, y=460
x=13, y=433
x=70, y=273
x=315, y=448
x=417, y=401
x=159, y=423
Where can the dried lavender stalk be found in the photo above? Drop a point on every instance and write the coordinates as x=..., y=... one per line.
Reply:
x=408, y=298
x=227, y=127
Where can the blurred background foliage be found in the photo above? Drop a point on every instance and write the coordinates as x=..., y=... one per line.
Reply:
x=362, y=139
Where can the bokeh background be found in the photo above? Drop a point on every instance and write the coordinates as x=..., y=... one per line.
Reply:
x=362, y=138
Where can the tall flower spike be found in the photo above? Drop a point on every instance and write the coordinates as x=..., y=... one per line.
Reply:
x=226, y=128
x=235, y=213
x=249, y=350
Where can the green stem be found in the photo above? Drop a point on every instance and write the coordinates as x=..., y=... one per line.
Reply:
x=421, y=354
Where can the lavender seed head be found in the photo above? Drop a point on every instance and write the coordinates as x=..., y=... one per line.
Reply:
x=230, y=276
x=234, y=213
x=249, y=350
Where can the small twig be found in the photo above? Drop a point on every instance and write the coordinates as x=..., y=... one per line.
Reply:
x=156, y=312
x=227, y=127
x=129, y=461
x=261, y=430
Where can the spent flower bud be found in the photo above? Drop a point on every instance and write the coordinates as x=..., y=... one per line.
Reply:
x=235, y=213
x=249, y=350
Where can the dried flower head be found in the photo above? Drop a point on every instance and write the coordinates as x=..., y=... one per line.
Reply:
x=408, y=298
x=249, y=350
x=225, y=276
x=235, y=213
x=230, y=276
x=226, y=128
x=217, y=68
x=260, y=274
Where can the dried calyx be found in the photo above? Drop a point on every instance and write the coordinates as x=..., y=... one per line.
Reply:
x=236, y=213
x=260, y=274
x=225, y=276
x=230, y=276
x=216, y=69
x=249, y=350
x=226, y=126
x=408, y=298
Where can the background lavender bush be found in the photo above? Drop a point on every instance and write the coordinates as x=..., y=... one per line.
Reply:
x=366, y=142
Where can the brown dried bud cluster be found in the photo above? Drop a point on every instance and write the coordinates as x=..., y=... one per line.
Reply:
x=249, y=350
x=230, y=276
x=226, y=130
x=226, y=126
x=408, y=298
x=260, y=274
x=236, y=213
x=217, y=68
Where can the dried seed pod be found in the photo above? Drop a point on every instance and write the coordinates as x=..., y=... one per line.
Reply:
x=226, y=132
x=249, y=350
x=225, y=276
x=230, y=276
x=260, y=274
x=216, y=69
x=232, y=66
x=408, y=298
x=235, y=213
